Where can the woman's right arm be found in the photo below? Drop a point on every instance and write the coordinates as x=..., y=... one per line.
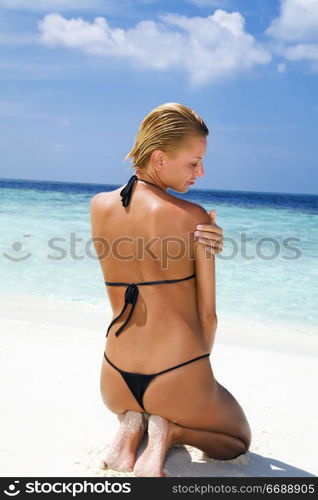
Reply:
x=205, y=281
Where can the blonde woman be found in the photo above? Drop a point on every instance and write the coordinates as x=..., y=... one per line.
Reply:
x=157, y=254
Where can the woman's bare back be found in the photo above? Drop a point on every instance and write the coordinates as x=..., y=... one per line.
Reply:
x=165, y=329
x=151, y=240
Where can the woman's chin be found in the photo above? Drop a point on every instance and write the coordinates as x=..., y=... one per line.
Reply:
x=185, y=189
x=182, y=189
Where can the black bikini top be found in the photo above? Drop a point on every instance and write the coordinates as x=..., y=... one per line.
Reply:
x=126, y=192
x=131, y=293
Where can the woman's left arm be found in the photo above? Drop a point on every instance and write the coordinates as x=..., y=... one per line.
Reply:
x=211, y=235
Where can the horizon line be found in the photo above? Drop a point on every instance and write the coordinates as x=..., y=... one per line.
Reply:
x=192, y=189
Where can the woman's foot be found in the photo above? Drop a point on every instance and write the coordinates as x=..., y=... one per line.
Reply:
x=161, y=434
x=121, y=454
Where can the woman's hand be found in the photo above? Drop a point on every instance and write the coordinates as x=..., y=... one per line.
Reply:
x=211, y=235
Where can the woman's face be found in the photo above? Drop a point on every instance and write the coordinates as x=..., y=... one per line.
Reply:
x=181, y=172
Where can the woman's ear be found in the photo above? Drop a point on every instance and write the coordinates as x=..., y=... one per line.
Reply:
x=157, y=159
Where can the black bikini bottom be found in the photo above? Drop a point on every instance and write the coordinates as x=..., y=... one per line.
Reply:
x=138, y=382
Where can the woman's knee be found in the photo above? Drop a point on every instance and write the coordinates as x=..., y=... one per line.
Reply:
x=236, y=448
x=247, y=437
x=236, y=451
x=228, y=449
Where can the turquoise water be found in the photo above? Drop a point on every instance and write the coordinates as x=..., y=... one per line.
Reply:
x=264, y=280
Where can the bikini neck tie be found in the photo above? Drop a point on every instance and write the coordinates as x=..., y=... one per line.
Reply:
x=126, y=192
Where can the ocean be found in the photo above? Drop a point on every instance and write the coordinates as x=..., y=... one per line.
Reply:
x=268, y=267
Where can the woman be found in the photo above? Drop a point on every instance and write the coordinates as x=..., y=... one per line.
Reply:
x=160, y=281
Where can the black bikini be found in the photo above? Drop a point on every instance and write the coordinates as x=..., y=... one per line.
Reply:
x=138, y=382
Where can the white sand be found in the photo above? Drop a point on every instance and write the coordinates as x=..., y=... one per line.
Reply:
x=53, y=421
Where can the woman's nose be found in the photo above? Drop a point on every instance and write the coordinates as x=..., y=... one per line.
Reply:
x=200, y=170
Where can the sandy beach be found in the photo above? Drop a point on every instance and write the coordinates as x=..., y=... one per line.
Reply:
x=54, y=423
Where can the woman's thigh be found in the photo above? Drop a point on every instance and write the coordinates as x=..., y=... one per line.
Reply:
x=191, y=397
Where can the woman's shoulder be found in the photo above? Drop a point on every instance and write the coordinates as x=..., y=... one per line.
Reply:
x=193, y=212
x=101, y=201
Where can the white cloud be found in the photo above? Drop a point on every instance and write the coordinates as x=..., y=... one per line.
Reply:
x=302, y=51
x=208, y=48
x=298, y=21
x=298, y=24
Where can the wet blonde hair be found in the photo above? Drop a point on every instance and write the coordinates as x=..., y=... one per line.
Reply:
x=166, y=127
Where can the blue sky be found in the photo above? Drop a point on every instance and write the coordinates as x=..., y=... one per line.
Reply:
x=78, y=76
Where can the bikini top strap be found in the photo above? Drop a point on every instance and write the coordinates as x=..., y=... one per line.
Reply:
x=162, y=282
x=131, y=296
x=158, y=282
